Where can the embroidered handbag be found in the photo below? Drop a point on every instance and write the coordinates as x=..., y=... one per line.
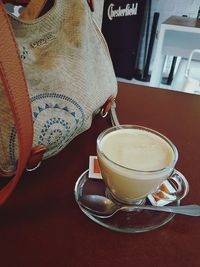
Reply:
x=56, y=74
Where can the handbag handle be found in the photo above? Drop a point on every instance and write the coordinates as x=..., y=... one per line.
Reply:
x=17, y=2
x=34, y=8
x=14, y=84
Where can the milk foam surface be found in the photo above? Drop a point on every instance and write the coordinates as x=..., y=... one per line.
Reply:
x=137, y=149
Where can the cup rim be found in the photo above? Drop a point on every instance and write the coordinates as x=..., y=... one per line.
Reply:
x=171, y=165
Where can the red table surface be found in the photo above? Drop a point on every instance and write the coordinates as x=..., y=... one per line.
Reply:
x=41, y=225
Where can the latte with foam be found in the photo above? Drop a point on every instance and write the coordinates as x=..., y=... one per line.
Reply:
x=134, y=161
x=137, y=149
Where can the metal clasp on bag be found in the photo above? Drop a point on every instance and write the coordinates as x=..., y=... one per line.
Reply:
x=36, y=157
x=107, y=106
x=110, y=105
x=34, y=168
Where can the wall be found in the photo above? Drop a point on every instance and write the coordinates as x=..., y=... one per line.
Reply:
x=175, y=7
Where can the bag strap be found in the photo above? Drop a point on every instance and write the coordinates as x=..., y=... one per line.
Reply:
x=17, y=2
x=14, y=84
x=35, y=7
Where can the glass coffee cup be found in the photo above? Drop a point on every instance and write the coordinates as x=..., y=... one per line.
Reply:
x=135, y=161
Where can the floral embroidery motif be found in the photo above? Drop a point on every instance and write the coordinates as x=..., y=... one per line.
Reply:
x=57, y=120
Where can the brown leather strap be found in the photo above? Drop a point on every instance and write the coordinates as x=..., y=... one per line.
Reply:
x=17, y=2
x=11, y=74
x=33, y=9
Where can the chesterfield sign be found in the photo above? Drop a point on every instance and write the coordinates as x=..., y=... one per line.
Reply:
x=129, y=10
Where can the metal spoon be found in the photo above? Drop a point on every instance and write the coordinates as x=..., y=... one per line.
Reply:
x=103, y=207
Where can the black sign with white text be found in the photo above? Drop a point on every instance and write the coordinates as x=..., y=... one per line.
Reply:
x=122, y=26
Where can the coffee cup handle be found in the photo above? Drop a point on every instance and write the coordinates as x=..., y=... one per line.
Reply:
x=179, y=185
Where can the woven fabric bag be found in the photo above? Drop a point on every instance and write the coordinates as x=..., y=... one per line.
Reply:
x=56, y=74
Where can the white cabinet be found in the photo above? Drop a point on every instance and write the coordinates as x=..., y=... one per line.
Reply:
x=178, y=36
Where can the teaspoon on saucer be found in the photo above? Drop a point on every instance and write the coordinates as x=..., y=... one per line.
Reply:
x=104, y=207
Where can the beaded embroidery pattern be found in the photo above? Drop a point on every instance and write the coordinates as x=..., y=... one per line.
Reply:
x=57, y=130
